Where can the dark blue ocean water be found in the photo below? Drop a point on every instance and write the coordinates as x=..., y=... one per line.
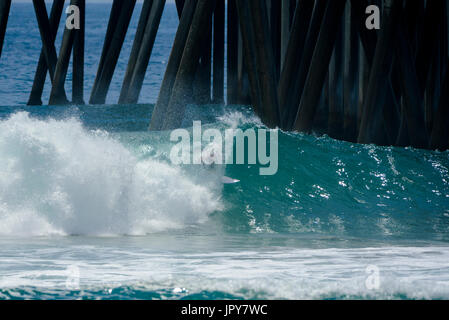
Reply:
x=22, y=48
x=92, y=208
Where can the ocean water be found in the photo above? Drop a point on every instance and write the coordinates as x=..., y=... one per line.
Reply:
x=92, y=208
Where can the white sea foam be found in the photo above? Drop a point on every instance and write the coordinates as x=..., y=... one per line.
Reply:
x=56, y=177
x=251, y=273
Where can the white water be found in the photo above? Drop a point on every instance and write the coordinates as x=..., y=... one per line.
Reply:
x=189, y=265
x=56, y=177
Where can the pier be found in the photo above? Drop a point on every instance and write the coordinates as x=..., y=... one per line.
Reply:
x=311, y=66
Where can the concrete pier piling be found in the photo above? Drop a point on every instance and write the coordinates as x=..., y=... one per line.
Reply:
x=57, y=95
x=287, y=14
x=113, y=18
x=78, y=57
x=137, y=44
x=293, y=95
x=202, y=80
x=372, y=125
x=143, y=57
x=330, y=27
x=112, y=53
x=260, y=59
x=182, y=68
x=5, y=6
x=292, y=60
x=350, y=74
x=232, y=52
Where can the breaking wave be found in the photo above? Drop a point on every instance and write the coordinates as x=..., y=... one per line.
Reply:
x=56, y=177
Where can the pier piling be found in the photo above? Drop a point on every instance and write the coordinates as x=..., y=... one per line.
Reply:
x=310, y=99
x=219, y=52
x=293, y=95
x=351, y=74
x=232, y=52
x=46, y=36
x=146, y=48
x=202, y=80
x=78, y=57
x=173, y=64
x=372, y=125
x=118, y=26
x=292, y=60
x=57, y=95
x=302, y=65
x=183, y=84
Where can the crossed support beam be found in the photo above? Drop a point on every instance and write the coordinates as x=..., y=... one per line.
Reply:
x=318, y=69
x=174, y=62
x=177, y=86
x=294, y=77
x=49, y=61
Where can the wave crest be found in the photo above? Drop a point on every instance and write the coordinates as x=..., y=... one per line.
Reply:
x=56, y=177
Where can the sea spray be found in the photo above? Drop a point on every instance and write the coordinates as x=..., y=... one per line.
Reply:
x=312, y=231
x=56, y=177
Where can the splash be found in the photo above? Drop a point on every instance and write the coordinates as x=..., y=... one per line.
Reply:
x=56, y=177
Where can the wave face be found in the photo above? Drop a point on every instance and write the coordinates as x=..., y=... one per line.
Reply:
x=337, y=188
x=56, y=177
